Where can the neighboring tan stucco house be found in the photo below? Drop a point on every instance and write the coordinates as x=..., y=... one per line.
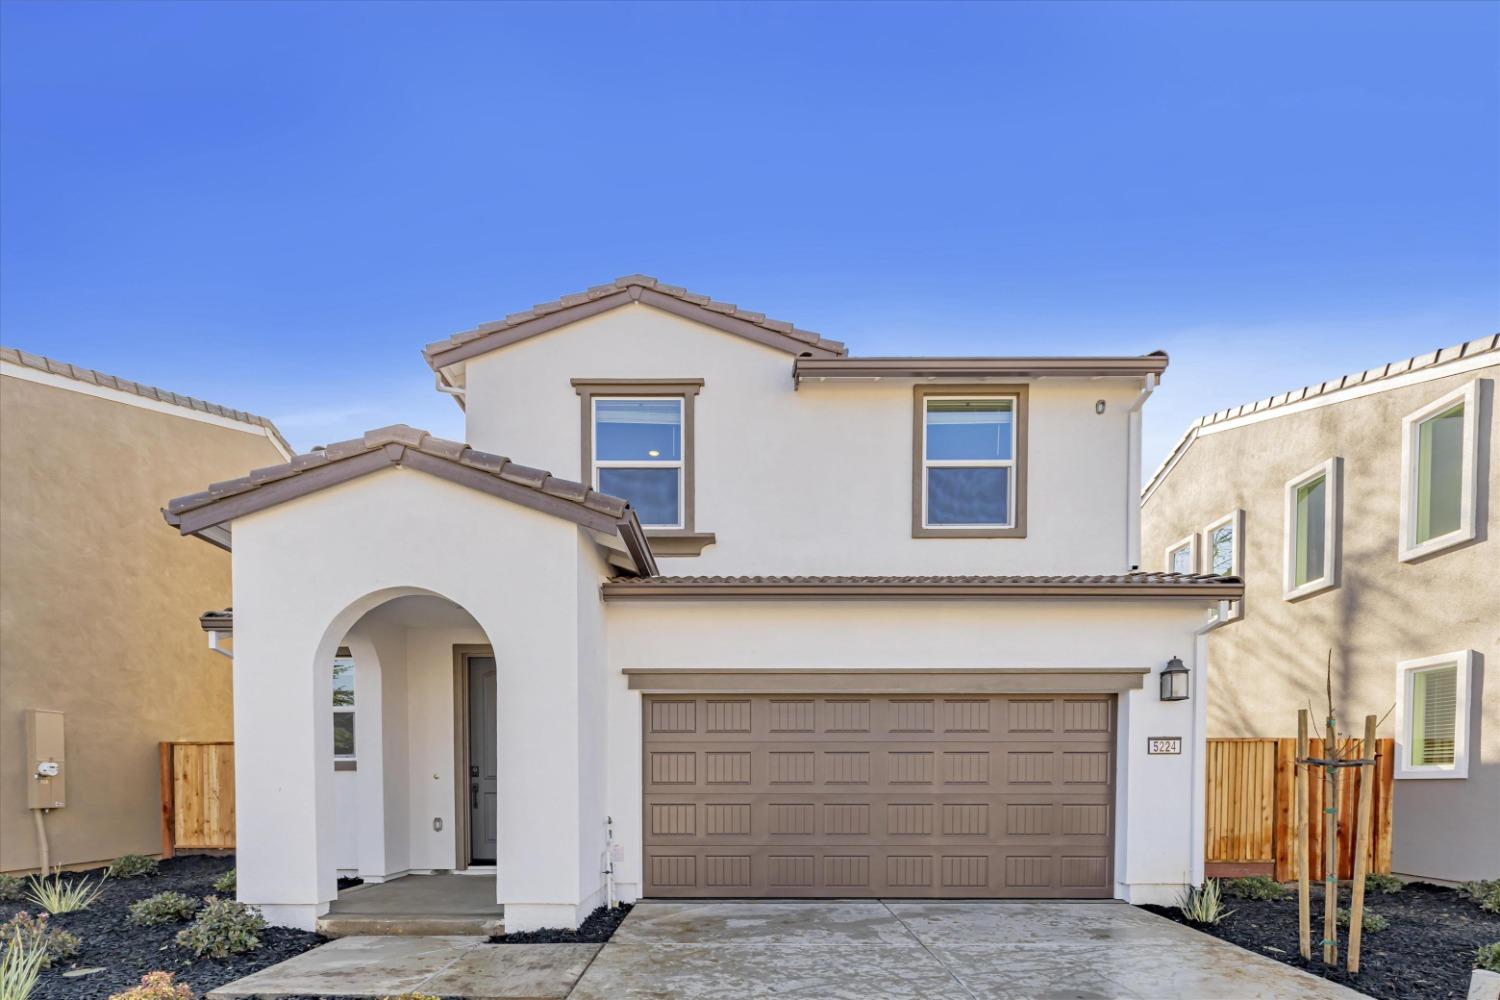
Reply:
x=96, y=607
x=1361, y=515
x=780, y=622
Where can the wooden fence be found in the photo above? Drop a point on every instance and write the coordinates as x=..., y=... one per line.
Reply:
x=1251, y=798
x=197, y=796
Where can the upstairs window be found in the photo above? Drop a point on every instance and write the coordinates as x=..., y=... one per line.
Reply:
x=1432, y=711
x=343, y=707
x=1440, y=450
x=970, y=468
x=1311, y=552
x=1223, y=552
x=638, y=456
x=1182, y=557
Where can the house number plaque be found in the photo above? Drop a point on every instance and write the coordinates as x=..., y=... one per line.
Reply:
x=1164, y=744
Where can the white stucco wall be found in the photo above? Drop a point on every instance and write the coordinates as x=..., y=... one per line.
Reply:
x=817, y=479
x=1156, y=838
x=304, y=573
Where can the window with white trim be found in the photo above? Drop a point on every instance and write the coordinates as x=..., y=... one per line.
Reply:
x=1182, y=557
x=637, y=454
x=1311, y=550
x=1439, y=482
x=343, y=706
x=1432, y=714
x=968, y=462
x=1223, y=552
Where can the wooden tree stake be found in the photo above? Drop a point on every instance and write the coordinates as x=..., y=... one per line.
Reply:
x=1330, y=848
x=1362, y=842
x=1304, y=858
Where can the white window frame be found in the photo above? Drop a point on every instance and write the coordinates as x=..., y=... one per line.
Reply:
x=972, y=463
x=1189, y=542
x=1411, y=425
x=1236, y=521
x=1406, y=670
x=643, y=463
x=351, y=710
x=1332, y=529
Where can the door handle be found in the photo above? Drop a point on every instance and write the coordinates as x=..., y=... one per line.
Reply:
x=473, y=796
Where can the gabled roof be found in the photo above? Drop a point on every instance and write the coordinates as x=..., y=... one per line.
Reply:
x=1365, y=381
x=641, y=288
x=208, y=514
x=1150, y=585
x=36, y=362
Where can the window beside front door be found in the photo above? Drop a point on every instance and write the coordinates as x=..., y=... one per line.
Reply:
x=1440, y=453
x=343, y=707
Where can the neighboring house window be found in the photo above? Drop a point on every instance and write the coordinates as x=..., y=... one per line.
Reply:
x=1432, y=716
x=1182, y=557
x=343, y=707
x=638, y=445
x=1311, y=553
x=1439, y=483
x=1223, y=552
x=970, y=463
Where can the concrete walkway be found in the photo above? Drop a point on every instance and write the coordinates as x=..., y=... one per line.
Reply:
x=826, y=950
x=417, y=904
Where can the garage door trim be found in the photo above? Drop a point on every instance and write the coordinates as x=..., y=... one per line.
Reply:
x=993, y=680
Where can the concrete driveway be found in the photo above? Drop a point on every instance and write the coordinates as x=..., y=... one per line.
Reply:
x=928, y=950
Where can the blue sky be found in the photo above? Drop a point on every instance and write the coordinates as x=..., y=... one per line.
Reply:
x=275, y=205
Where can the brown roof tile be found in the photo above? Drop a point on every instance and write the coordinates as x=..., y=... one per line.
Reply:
x=197, y=511
x=632, y=283
x=1120, y=584
x=27, y=360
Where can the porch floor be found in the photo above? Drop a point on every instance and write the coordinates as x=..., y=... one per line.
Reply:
x=417, y=904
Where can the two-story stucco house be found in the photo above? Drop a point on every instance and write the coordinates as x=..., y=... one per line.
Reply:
x=779, y=622
x=1360, y=513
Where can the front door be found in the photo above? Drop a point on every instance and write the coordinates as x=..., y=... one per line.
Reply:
x=482, y=739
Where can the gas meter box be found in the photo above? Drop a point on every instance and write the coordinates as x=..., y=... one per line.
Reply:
x=46, y=762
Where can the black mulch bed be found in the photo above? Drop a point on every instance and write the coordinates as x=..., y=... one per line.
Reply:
x=127, y=952
x=349, y=882
x=1427, y=952
x=597, y=929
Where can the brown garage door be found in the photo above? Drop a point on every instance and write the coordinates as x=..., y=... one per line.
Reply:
x=942, y=795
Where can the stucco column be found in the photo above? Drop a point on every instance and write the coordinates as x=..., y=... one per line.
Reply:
x=283, y=770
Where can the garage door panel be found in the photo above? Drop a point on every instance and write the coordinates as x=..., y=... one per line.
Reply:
x=911, y=795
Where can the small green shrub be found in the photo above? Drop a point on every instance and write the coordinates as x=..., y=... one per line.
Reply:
x=20, y=966
x=36, y=934
x=225, y=883
x=222, y=928
x=1488, y=957
x=11, y=887
x=1386, y=885
x=134, y=866
x=163, y=908
x=1371, y=921
x=156, y=986
x=59, y=895
x=1254, y=887
x=1485, y=893
x=1203, y=904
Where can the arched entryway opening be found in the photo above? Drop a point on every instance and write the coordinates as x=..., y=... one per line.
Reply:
x=413, y=706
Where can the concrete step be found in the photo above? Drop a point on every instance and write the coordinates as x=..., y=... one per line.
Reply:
x=337, y=925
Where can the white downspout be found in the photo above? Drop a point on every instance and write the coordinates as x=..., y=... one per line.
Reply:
x=452, y=390
x=1133, y=473
x=215, y=638
x=1198, y=826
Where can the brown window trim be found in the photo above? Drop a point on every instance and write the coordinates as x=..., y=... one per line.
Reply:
x=683, y=541
x=920, y=394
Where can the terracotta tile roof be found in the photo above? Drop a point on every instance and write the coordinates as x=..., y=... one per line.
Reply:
x=35, y=361
x=1432, y=359
x=634, y=285
x=401, y=445
x=1119, y=584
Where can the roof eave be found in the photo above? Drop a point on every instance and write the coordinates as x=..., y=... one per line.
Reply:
x=615, y=591
x=970, y=368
